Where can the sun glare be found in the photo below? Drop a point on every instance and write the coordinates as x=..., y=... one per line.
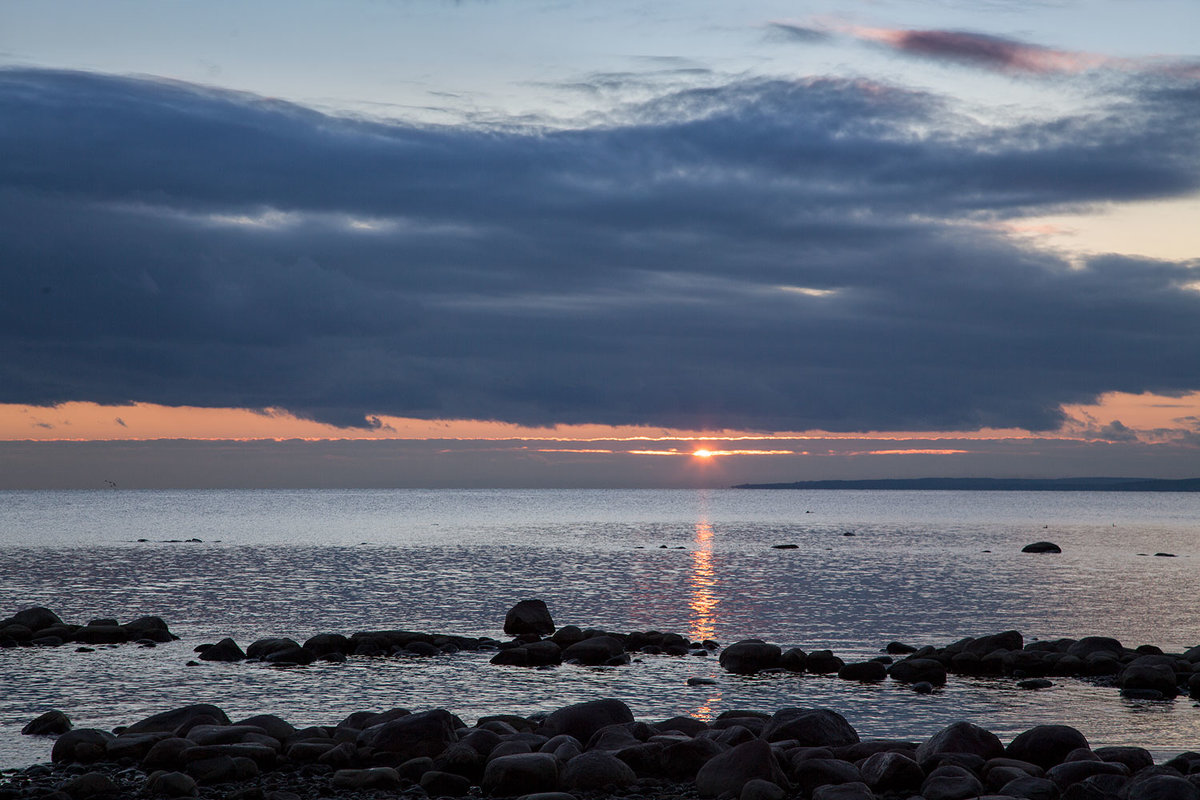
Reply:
x=703, y=454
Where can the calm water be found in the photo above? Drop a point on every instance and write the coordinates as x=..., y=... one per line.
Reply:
x=922, y=567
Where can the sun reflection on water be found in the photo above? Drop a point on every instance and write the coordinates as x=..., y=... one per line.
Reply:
x=704, y=600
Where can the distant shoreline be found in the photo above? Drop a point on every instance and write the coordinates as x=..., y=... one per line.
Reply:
x=996, y=484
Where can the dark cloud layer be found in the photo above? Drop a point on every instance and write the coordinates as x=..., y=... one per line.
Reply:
x=778, y=255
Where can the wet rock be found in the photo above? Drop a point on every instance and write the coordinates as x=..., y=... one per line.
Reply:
x=133, y=745
x=81, y=746
x=326, y=644
x=961, y=737
x=170, y=784
x=733, y=769
x=226, y=650
x=52, y=723
x=173, y=720
x=582, y=720
x=271, y=725
x=596, y=770
x=750, y=656
x=1041, y=547
x=682, y=760
x=1090, y=645
x=595, y=651
x=892, y=773
x=951, y=783
x=529, y=616
x=444, y=784
x=793, y=659
x=823, y=662
x=865, y=671
x=521, y=774
x=372, y=778
x=1070, y=772
x=1030, y=787
x=35, y=619
x=1136, y=758
x=1034, y=684
x=101, y=634
x=1096, y=787
x=1160, y=787
x=918, y=670
x=209, y=771
x=1045, y=745
x=412, y=735
x=899, y=649
x=810, y=728
x=810, y=774
x=91, y=784
x=1149, y=674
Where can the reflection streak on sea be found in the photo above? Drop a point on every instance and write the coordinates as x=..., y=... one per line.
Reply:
x=704, y=600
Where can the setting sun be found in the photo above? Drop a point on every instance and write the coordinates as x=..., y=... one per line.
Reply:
x=703, y=454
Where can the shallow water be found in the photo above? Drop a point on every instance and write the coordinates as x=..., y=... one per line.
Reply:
x=922, y=567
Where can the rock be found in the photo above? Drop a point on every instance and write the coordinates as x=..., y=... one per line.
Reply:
x=918, y=670
x=1161, y=787
x=682, y=760
x=271, y=725
x=133, y=745
x=844, y=791
x=35, y=619
x=91, y=784
x=759, y=789
x=732, y=770
x=325, y=644
x=822, y=662
x=101, y=634
x=1008, y=640
x=529, y=616
x=171, y=721
x=444, y=784
x=1148, y=673
x=1097, y=787
x=750, y=656
x=1089, y=645
x=951, y=783
x=1041, y=547
x=1045, y=745
x=547, y=796
x=170, y=784
x=1070, y=772
x=595, y=651
x=582, y=720
x=52, y=723
x=961, y=737
x=595, y=771
x=865, y=671
x=412, y=735
x=793, y=659
x=818, y=727
x=892, y=773
x=372, y=778
x=1136, y=758
x=81, y=746
x=811, y=773
x=1030, y=787
x=209, y=771
x=521, y=774
x=226, y=650
x=1034, y=684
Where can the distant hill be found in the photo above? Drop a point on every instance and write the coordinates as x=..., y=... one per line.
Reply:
x=999, y=484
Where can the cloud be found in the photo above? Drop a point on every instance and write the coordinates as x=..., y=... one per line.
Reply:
x=204, y=247
x=992, y=52
x=794, y=32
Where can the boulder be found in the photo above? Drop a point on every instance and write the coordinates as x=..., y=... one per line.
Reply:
x=951, y=783
x=412, y=735
x=582, y=720
x=595, y=771
x=919, y=670
x=52, y=723
x=324, y=644
x=226, y=650
x=1149, y=673
x=1045, y=745
x=817, y=727
x=81, y=746
x=1041, y=547
x=844, y=791
x=1161, y=787
x=170, y=784
x=374, y=778
x=174, y=719
x=444, y=784
x=35, y=619
x=133, y=745
x=822, y=662
x=810, y=773
x=865, y=671
x=750, y=656
x=732, y=770
x=529, y=616
x=1070, y=772
x=525, y=773
x=682, y=760
x=961, y=737
x=91, y=784
x=1030, y=787
x=793, y=659
x=595, y=651
x=758, y=789
x=273, y=726
x=1136, y=758
x=892, y=773
x=1089, y=645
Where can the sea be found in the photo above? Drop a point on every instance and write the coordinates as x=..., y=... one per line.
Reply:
x=866, y=568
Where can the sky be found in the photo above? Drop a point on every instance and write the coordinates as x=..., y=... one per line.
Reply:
x=495, y=243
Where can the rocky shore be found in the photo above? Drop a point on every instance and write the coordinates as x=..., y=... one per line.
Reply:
x=586, y=750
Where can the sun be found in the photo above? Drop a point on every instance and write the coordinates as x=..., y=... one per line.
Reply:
x=703, y=453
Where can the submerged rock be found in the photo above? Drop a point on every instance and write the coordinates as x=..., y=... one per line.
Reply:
x=1041, y=547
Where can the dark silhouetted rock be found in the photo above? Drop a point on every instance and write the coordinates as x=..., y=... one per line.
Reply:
x=844, y=791
x=793, y=659
x=822, y=662
x=865, y=671
x=817, y=727
x=81, y=746
x=170, y=784
x=226, y=650
x=91, y=784
x=750, y=656
x=1136, y=758
x=325, y=644
x=731, y=770
x=951, y=783
x=1149, y=673
x=1045, y=745
x=1041, y=547
x=1030, y=787
x=412, y=735
x=919, y=670
x=1070, y=772
x=1161, y=787
x=758, y=789
x=582, y=720
x=682, y=760
x=372, y=778
x=174, y=719
x=595, y=651
x=961, y=737
x=444, y=784
x=1089, y=645
x=813, y=773
x=892, y=773
x=596, y=770
x=529, y=616
x=35, y=619
x=52, y=723
x=521, y=774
